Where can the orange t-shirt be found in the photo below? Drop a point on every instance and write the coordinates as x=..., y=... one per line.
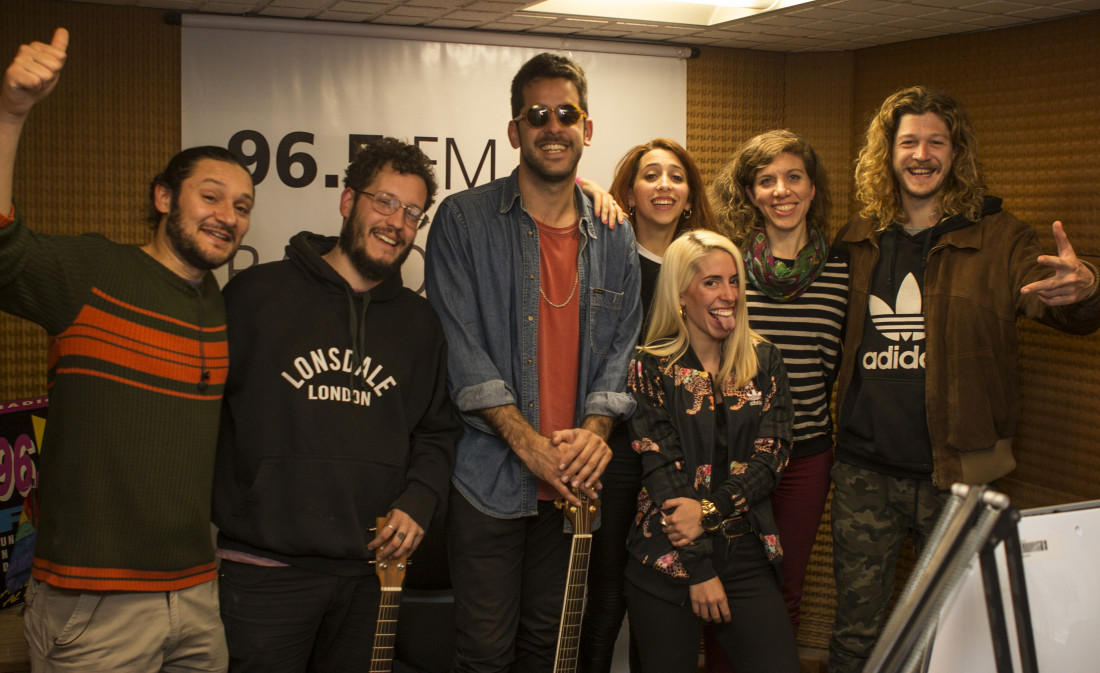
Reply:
x=558, y=332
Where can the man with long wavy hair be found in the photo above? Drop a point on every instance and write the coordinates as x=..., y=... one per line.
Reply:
x=927, y=390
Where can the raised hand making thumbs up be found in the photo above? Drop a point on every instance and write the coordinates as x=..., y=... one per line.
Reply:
x=30, y=78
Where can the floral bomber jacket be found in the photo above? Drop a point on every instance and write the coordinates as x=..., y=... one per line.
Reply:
x=674, y=429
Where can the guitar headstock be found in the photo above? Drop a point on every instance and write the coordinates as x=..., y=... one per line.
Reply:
x=581, y=517
x=391, y=572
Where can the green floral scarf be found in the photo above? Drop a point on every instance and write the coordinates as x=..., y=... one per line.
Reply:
x=775, y=278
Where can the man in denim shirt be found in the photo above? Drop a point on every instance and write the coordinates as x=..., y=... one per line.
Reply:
x=541, y=310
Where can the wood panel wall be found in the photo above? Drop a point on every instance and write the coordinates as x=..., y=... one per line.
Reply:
x=89, y=151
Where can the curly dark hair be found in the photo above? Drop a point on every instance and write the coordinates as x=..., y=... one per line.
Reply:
x=401, y=156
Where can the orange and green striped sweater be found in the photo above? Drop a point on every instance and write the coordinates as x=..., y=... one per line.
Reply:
x=128, y=455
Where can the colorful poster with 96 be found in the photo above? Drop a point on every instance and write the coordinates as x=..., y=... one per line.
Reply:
x=22, y=423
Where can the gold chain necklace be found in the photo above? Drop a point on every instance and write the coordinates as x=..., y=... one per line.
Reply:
x=576, y=282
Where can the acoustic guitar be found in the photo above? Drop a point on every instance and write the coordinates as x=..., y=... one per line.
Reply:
x=391, y=575
x=576, y=583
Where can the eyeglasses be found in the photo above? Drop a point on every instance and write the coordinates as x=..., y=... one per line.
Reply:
x=388, y=204
x=539, y=115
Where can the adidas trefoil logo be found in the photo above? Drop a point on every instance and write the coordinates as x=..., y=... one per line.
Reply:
x=906, y=323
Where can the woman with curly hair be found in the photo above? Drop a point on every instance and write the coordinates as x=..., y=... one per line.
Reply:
x=712, y=428
x=774, y=197
x=662, y=188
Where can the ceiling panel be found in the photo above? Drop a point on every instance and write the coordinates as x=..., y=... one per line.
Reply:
x=822, y=25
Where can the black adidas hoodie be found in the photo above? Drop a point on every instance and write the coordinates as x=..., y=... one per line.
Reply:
x=883, y=425
x=336, y=410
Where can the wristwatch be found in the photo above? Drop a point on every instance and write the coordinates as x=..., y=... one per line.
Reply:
x=712, y=518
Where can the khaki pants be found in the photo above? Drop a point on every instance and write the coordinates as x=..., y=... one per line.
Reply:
x=124, y=632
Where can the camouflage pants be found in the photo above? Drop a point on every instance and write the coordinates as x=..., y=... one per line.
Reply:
x=872, y=516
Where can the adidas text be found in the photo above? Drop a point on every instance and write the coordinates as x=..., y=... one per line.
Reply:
x=894, y=358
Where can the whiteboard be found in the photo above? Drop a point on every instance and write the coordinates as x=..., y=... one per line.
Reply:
x=1062, y=570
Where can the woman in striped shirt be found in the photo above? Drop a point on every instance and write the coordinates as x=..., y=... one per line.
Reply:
x=773, y=197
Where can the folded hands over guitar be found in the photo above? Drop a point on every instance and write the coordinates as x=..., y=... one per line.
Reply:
x=574, y=456
x=584, y=456
x=548, y=459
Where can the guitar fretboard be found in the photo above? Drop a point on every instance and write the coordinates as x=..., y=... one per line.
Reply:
x=572, y=613
x=385, y=631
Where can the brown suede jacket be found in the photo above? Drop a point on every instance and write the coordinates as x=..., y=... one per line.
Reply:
x=971, y=300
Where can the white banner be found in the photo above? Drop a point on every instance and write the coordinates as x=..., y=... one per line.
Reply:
x=294, y=105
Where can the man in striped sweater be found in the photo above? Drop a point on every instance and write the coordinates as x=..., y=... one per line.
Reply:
x=124, y=566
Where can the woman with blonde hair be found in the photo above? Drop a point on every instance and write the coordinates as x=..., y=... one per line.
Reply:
x=712, y=427
x=663, y=190
x=774, y=198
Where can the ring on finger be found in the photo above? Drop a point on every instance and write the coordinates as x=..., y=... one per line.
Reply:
x=400, y=536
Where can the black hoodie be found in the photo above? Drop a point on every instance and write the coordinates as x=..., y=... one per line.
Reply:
x=883, y=425
x=336, y=410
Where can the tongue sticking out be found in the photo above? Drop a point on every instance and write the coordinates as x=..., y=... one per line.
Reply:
x=725, y=318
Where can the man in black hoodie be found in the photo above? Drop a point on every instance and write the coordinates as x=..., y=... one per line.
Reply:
x=927, y=390
x=336, y=412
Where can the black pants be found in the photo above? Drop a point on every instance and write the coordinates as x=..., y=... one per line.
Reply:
x=757, y=639
x=509, y=586
x=603, y=616
x=290, y=620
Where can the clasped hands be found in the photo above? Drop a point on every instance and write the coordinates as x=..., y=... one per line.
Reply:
x=568, y=459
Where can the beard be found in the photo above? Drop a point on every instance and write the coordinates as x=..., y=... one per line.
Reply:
x=187, y=247
x=528, y=154
x=925, y=192
x=353, y=243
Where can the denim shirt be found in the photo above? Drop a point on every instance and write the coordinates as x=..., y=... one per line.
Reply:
x=482, y=277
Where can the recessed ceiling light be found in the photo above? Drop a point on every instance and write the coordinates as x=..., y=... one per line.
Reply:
x=691, y=12
x=758, y=5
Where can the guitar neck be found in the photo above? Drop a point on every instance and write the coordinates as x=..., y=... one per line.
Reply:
x=572, y=612
x=391, y=575
x=385, y=630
